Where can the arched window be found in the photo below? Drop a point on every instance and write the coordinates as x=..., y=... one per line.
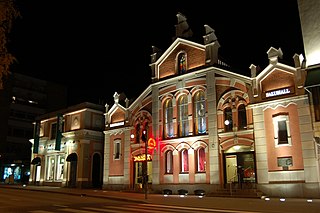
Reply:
x=183, y=116
x=228, y=122
x=169, y=162
x=199, y=105
x=168, y=118
x=182, y=64
x=242, y=117
x=184, y=161
x=201, y=160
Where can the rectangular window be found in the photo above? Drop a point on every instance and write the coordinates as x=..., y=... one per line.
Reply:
x=117, y=149
x=282, y=134
x=53, y=131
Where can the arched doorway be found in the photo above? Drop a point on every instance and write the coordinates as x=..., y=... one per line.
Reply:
x=72, y=180
x=96, y=171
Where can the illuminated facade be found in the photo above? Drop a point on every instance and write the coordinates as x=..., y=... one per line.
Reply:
x=67, y=149
x=211, y=128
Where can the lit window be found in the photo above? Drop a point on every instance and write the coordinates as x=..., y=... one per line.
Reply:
x=169, y=162
x=184, y=161
x=200, y=113
x=117, y=149
x=168, y=119
x=228, y=122
x=201, y=159
x=183, y=116
x=281, y=130
x=182, y=64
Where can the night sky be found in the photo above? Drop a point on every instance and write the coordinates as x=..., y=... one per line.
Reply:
x=98, y=48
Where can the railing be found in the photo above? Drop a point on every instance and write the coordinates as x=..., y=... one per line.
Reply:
x=230, y=181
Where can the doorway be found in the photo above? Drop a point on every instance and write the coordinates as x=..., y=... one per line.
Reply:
x=240, y=168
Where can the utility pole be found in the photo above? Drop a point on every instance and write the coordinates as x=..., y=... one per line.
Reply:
x=145, y=174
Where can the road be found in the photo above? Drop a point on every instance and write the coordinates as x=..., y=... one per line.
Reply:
x=32, y=201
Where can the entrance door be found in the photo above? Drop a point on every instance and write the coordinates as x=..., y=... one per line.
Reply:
x=231, y=168
x=240, y=167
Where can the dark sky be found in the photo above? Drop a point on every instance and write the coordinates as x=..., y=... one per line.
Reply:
x=98, y=48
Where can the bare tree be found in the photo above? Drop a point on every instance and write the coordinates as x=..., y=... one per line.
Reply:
x=8, y=13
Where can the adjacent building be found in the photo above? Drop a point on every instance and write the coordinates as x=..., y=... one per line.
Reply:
x=67, y=149
x=23, y=98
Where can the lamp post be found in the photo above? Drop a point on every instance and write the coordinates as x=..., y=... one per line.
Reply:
x=145, y=173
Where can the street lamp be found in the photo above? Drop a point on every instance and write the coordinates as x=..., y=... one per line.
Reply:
x=145, y=173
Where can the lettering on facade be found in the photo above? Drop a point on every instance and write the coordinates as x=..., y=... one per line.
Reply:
x=142, y=158
x=278, y=92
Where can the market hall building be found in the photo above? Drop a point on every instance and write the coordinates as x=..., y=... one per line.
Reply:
x=201, y=127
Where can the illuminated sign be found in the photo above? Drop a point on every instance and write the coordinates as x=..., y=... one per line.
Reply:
x=142, y=158
x=117, y=124
x=278, y=92
x=152, y=143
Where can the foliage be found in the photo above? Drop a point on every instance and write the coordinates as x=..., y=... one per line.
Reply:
x=8, y=13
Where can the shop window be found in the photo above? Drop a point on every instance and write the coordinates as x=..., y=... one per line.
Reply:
x=184, y=161
x=55, y=167
x=201, y=160
x=200, y=113
x=183, y=116
x=168, y=118
x=169, y=162
x=117, y=149
x=51, y=167
x=60, y=168
x=281, y=130
x=242, y=117
x=228, y=121
x=182, y=64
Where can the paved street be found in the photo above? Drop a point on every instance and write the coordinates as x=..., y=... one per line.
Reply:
x=188, y=203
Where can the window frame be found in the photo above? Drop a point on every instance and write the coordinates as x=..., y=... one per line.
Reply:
x=184, y=161
x=117, y=149
x=169, y=162
x=183, y=116
x=281, y=118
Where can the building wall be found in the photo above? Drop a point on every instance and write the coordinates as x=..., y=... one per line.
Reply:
x=71, y=164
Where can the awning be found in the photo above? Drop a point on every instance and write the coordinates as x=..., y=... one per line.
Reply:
x=36, y=161
x=72, y=157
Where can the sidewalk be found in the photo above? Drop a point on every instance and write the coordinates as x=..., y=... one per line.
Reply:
x=192, y=201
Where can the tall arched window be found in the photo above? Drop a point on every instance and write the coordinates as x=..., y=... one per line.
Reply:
x=228, y=121
x=182, y=64
x=201, y=160
x=168, y=118
x=199, y=105
x=184, y=161
x=183, y=116
x=169, y=162
x=242, y=117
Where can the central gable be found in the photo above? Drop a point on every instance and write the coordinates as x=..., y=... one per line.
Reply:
x=180, y=58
